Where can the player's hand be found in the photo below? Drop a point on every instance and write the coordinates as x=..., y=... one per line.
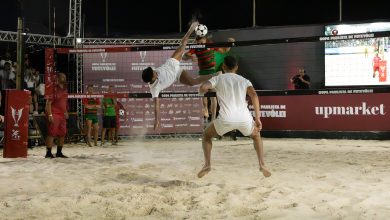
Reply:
x=230, y=39
x=194, y=24
x=66, y=115
x=259, y=126
x=156, y=124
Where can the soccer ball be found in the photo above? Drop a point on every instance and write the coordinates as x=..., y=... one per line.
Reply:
x=201, y=30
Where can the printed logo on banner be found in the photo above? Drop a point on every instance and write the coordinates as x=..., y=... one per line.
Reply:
x=103, y=56
x=270, y=111
x=167, y=125
x=16, y=115
x=186, y=65
x=142, y=54
x=137, y=119
x=103, y=66
x=15, y=135
x=192, y=118
x=363, y=109
x=142, y=65
x=181, y=125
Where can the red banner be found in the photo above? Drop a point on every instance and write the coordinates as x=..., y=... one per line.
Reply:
x=49, y=73
x=16, y=123
x=342, y=112
x=122, y=70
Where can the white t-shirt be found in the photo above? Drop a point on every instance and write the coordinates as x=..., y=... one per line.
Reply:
x=231, y=93
x=168, y=73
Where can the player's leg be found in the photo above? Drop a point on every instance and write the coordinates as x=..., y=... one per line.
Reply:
x=213, y=108
x=205, y=109
x=208, y=135
x=49, y=145
x=258, y=145
x=104, y=130
x=61, y=138
x=89, y=128
x=95, y=132
x=187, y=79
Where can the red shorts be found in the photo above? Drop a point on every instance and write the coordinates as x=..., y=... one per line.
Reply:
x=58, y=127
x=376, y=68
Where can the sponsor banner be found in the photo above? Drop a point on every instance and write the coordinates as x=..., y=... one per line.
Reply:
x=123, y=70
x=344, y=112
x=16, y=123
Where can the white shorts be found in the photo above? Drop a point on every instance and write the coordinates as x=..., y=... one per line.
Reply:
x=222, y=127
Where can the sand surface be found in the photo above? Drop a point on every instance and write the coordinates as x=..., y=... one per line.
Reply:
x=156, y=179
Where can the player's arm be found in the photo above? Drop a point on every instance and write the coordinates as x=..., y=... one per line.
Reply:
x=305, y=81
x=48, y=111
x=180, y=50
x=97, y=105
x=187, y=56
x=226, y=49
x=156, y=101
x=205, y=87
x=251, y=92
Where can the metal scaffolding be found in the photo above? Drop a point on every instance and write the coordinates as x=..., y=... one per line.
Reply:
x=124, y=41
x=76, y=40
x=9, y=36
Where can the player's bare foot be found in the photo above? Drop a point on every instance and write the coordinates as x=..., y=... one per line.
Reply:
x=205, y=170
x=205, y=113
x=265, y=171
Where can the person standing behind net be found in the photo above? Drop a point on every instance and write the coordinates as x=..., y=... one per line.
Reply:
x=109, y=118
x=301, y=80
x=209, y=62
x=91, y=106
x=57, y=114
x=231, y=92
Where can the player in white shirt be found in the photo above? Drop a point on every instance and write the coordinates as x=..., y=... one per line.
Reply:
x=170, y=72
x=231, y=92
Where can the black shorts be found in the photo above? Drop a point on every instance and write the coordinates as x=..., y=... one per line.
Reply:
x=109, y=121
x=32, y=91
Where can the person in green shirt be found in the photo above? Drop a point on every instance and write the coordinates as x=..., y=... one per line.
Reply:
x=109, y=117
x=210, y=61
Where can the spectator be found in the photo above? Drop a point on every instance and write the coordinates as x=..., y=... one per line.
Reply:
x=109, y=117
x=31, y=79
x=301, y=80
x=57, y=114
x=7, y=59
x=376, y=64
x=91, y=106
x=5, y=75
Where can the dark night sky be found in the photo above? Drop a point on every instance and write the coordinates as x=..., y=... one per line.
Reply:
x=133, y=17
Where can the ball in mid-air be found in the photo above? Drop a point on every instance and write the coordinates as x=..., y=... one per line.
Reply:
x=201, y=30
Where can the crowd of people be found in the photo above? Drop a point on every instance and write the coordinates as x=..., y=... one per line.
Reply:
x=32, y=79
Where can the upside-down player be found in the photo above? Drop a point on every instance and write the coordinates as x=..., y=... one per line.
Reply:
x=170, y=72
